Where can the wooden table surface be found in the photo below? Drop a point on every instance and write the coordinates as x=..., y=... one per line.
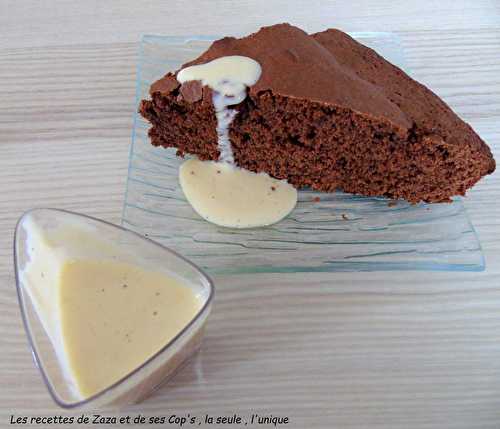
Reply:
x=342, y=350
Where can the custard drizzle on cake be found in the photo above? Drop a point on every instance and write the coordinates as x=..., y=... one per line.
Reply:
x=220, y=192
x=229, y=78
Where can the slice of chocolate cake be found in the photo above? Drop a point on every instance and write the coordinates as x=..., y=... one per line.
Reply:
x=329, y=113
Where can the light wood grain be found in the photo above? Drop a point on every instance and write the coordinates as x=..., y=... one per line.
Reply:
x=345, y=350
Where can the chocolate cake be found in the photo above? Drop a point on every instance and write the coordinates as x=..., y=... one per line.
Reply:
x=327, y=113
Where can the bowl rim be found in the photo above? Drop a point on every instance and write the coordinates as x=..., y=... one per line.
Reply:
x=36, y=357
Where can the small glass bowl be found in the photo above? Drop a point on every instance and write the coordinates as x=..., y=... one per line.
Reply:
x=131, y=247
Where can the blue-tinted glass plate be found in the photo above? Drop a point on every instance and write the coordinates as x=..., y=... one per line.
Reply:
x=341, y=232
